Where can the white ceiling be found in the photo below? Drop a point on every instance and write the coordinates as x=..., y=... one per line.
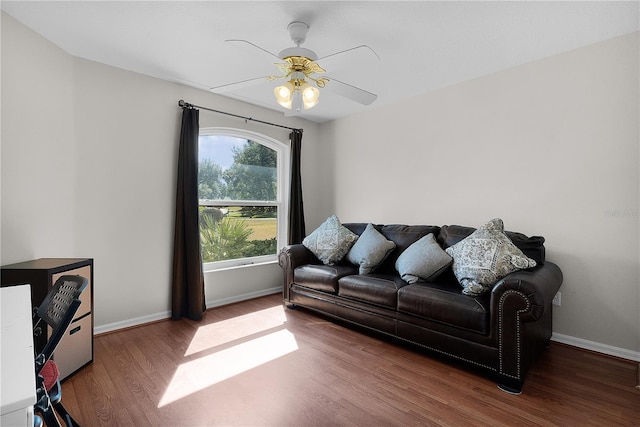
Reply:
x=423, y=45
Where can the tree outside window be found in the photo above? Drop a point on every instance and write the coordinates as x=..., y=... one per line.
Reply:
x=238, y=188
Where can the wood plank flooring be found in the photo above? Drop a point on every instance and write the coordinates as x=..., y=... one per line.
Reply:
x=256, y=363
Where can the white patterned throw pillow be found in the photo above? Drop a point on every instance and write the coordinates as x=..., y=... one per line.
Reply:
x=331, y=241
x=486, y=256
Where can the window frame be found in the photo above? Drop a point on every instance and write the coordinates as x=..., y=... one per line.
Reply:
x=283, y=165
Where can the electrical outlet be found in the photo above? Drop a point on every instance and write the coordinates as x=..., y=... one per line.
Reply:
x=556, y=299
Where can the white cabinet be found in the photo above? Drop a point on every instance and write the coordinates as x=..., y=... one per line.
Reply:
x=17, y=370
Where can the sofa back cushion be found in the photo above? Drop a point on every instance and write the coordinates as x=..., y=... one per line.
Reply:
x=402, y=235
x=533, y=246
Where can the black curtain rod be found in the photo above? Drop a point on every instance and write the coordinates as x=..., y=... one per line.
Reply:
x=184, y=104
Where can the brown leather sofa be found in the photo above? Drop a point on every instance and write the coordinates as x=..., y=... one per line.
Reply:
x=502, y=331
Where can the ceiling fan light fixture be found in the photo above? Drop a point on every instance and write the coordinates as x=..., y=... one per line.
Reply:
x=296, y=102
x=297, y=94
x=310, y=96
x=284, y=94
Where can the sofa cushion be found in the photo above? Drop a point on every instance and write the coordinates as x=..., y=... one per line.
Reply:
x=322, y=277
x=403, y=236
x=446, y=304
x=359, y=227
x=485, y=257
x=533, y=246
x=423, y=260
x=376, y=289
x=370, y=250
x=331, y=241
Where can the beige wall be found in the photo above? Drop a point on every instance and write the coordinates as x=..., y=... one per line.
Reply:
x=38, y=150
x=89, y=155
x=551, y=147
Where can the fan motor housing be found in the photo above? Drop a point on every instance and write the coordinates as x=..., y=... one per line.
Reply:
x=298, y=51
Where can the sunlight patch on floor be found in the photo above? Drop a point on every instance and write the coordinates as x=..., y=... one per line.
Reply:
x=198, y=374
x=225, y=331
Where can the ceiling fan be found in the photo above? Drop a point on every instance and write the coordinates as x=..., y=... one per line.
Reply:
x=301, y=66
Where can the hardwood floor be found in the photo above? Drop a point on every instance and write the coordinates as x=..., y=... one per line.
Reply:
x=256, y=363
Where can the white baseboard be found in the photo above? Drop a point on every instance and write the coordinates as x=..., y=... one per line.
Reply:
x=244, y=297
x=137, y=321
x=110, y=327
x=597, y=347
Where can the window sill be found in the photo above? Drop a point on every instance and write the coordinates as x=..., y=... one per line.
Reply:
x=239, y=266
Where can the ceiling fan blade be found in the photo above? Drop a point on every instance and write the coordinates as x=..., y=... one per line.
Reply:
x=349, y=91
x=238, y=85
x=247, y=45
x=362, y=54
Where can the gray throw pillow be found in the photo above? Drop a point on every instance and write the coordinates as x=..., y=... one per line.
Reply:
x=423, y=260
x=486, y=256
x=370, y=250
x=331, y=241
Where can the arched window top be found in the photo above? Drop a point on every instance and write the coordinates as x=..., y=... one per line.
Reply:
x=245, y=134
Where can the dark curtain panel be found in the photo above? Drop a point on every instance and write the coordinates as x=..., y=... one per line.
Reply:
x=188, y=279
x=296, y=208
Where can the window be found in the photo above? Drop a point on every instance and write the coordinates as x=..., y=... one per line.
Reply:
x=243, y=188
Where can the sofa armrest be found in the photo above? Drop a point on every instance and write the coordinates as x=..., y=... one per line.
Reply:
x=528, y=292
x=517, y=301
x=289, y=258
